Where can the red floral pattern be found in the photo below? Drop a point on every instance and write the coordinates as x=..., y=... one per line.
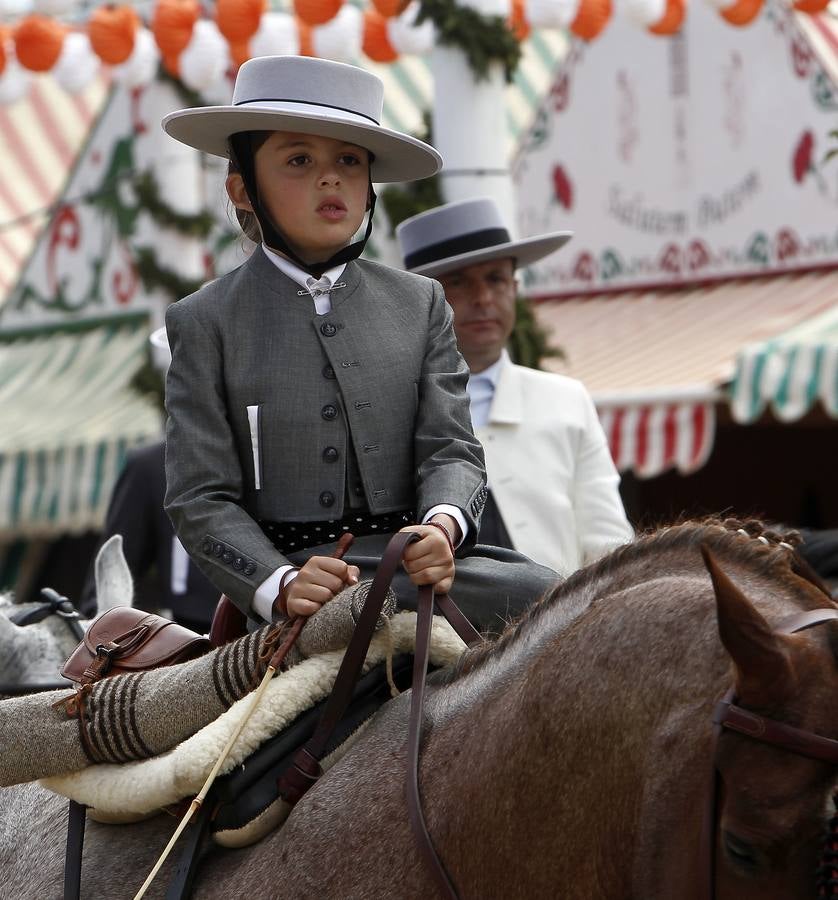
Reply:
x=670, y=259
x=698, y=256
x=787, y=244
x=802, y=160
x=562, y=187
x=585, y=268
x=65, y=232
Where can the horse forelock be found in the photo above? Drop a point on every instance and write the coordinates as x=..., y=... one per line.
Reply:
x=746, y=543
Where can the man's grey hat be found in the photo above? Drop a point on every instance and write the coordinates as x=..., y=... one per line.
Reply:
x=462, y=234
x=310, y=96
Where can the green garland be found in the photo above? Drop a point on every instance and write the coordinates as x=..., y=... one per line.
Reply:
x=483, y=39
x=154, y=276
x=198, y=225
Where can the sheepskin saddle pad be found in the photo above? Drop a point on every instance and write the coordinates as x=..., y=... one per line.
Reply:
x=282, y=722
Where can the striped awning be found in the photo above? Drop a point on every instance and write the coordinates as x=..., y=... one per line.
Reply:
x=656, y=362
x=650, y=438
x=789, y=373
x=40, y=138
x=69, y=416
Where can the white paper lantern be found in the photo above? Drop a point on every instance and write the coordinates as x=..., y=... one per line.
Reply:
x=14, y=79
x=141, y=66
x=12, y=9
x=276, y=36
x=54, y=7
x=204, y=58
x=550, y=13
x=406, y=36
x=77, y=64
x=644, y=12
x=502, y=8
x=340, y=38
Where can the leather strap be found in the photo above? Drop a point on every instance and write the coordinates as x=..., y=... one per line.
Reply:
x=424, y=623
x=778, y=734
x=55, y=604
x=305, y=769
x=76, y=818
x=469, y=634
x=795, y=740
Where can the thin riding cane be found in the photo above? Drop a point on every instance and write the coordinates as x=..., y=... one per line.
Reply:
x=297, y=624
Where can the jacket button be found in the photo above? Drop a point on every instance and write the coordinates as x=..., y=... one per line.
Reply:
x=358, y=490
x=218, y=549
x=327, y=498
x=238, y=564
x=228, y=556
x=330, y=455
x=328, y=372
x=327, y=329
x=329, y=412
x=207, y=547
x=249, y=569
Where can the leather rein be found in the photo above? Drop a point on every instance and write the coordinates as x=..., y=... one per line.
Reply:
x=305, y=769
x=760, y=728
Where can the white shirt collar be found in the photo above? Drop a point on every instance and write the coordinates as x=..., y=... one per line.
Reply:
x=300, y=276
x=492, y=374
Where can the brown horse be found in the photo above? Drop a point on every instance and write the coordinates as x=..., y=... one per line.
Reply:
x=569, y=759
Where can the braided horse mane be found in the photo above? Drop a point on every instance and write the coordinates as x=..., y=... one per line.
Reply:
x=748, y=541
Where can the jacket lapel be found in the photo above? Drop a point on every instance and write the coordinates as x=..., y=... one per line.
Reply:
x=508, y=402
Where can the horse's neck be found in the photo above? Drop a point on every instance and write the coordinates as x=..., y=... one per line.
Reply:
x=568, y=724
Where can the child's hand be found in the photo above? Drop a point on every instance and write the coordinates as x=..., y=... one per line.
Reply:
x=317, y=582
x=430, y=560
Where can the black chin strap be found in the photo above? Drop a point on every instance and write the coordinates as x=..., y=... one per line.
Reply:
x=242, y=155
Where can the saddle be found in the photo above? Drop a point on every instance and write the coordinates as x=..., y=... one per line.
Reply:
x=256, y=797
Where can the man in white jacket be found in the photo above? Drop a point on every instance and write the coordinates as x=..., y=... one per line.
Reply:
x=553, y=487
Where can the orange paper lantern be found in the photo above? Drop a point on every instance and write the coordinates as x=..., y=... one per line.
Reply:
x=238, y=20
x=38, y=42
x=591, y=17
x=317, y=12
x=742, y=12
x=390, y=8
x=376, y=43
x=240, y=53
x=4, y=36
x=518, y=23
x=171, y=63
x=672, y=19
x=305, y=37
x=112, y=30
x=813, y=7
x=172, y=23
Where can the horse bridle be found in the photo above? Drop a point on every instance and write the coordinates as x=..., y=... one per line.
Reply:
x=760, y=728
x=54, y=604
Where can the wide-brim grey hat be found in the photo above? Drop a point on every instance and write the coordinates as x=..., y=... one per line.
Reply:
x=309, y=96
x=465, y=233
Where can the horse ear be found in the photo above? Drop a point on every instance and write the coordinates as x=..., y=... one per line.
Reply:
x=761, y=657
x=114, y=585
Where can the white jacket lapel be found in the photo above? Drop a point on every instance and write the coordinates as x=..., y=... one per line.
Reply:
x=508, y=402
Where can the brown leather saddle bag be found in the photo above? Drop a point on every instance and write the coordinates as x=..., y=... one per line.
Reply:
x=125, y=639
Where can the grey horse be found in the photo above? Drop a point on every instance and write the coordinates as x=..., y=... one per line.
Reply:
x=33, y=654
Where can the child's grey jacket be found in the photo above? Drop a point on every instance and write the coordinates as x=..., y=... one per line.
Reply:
x=263, y=395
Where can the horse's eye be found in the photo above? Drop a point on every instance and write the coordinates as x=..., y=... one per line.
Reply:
x=740, y=853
